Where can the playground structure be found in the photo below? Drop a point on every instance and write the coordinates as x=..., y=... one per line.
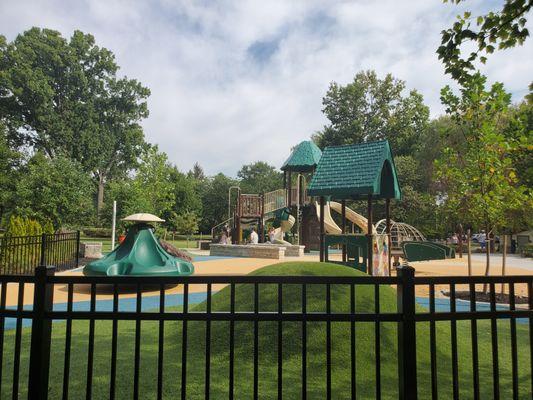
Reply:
x=400, y=232
x=362, y=171
x=140, y=254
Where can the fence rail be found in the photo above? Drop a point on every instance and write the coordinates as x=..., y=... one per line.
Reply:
x=256, y=336
x=20, y=254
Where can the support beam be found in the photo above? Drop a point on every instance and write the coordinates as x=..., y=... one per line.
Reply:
x=322, y=230
x=289, y=190
x=370, y=250
x=389, y=241
x=343, y=227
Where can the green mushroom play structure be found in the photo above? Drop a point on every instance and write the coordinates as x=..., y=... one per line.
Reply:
x=140, y=254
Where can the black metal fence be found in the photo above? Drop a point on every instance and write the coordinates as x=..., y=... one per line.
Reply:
x=20, y=254
x=326, y=337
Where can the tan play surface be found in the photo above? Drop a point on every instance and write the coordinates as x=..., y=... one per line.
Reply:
x=236, y=266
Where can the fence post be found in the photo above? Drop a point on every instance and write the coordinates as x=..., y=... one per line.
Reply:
x=406, y=334
x=78, y=247
x=41, y=334
x=43, y=249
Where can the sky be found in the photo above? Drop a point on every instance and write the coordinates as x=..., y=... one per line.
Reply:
x=235, y=82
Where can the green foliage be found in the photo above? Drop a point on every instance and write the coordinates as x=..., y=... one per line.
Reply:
x=370, y=108
x=20, y=226
x=214, y=195
x=185, y=193
x=501, y=29
x=185, y=224
x=55, y=189
x=97, y=232
x=259, y=177
x=63, y=98
x=478, y=176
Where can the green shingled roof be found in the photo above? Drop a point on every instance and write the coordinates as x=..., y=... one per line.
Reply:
x=303, y=158
x=355, y=171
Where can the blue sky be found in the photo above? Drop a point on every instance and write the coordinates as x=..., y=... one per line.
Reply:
x=238, y=81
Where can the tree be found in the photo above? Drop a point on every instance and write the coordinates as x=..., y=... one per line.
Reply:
x=505, y=28
x=184, y=224
x=54, y=189
x=370, y=108
x=478, y=177
x=197, y=172
x=9, y=161
x=185, y=191
x=64, y=98
x=214, y=194
x=259, y=177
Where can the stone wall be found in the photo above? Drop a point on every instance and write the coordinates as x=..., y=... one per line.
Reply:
x=290, y=250
x=247, y=250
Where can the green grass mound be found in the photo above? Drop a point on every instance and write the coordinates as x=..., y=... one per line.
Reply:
x=268, y=355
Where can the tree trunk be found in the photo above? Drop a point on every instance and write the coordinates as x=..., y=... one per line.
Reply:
x=487, y=265
x=460, y=241
x=100, y=198
x=504, y=255
x=468, y=238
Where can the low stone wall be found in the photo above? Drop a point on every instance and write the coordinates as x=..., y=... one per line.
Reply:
x=91, y=250
x=247, y=250
x=292, y=250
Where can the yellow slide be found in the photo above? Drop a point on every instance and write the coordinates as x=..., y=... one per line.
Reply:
x=279, y=233
x=329, y=224
x=354, y=217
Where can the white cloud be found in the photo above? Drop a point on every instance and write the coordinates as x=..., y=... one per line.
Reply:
x=214, y=102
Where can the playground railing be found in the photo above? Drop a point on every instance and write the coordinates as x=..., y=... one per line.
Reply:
x=139, y=331
x=275, y=200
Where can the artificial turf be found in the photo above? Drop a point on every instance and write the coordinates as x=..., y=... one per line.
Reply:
x=268, y=356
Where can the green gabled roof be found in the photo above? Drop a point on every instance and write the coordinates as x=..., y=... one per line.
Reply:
x=355, y=171
x=303, y=158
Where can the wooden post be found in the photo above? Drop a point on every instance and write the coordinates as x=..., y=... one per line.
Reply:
x=238, y=221
x=289, y=186
x=262, y=218
x=322, y=241
x=469, y=247
x=343, y=227
x=387, y=230
x=369, y=236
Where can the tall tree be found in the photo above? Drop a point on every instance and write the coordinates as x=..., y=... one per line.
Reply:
x=502, y=29
x=214, y=193
x=259, y=177
x=478, y=176
x=370, y=108
x=197, y=172
x=63, y=97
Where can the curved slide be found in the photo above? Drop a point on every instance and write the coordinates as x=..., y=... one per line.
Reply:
x=285, y=226
x=332, y=227
x=329, y=224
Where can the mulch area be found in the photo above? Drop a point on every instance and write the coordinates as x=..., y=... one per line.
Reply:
x=501, y=298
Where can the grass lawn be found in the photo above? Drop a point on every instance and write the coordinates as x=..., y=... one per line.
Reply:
x=106, y=243
x=316, y=334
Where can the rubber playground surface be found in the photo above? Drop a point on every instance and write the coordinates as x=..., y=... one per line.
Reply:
x=206, y=265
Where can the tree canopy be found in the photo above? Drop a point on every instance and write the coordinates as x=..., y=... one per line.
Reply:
x=370, y=108
x=63, y=97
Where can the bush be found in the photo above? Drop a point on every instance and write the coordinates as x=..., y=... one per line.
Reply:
x=527, y=250
x=97, y=232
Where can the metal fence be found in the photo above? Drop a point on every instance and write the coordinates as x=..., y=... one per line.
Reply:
x=20, y=254
x=325, y=337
